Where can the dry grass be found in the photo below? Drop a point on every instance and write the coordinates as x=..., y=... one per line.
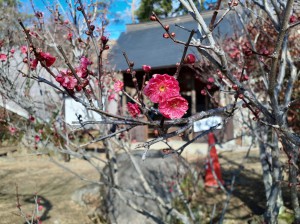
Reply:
x=55, y=186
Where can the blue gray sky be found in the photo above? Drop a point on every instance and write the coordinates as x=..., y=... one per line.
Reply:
x=119, y=13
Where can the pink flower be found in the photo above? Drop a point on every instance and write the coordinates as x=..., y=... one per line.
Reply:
x=118, y=86
x=174, y=107
x=59, y=78
x=146, y=68
x=40, y=207
x=66, y=79
x=211, y=80
x=24, y=49
x=31, y=118
x=3, y=57
x=70, y=82
x=37, y=138
x=84, y=62
x=12, y=50
x=81, y=72
x=48, y=58
x=161, y=87
x=111, y=97
x=133, y=109
x=12, y=130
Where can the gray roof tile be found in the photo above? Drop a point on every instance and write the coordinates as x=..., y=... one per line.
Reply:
x=144, y=44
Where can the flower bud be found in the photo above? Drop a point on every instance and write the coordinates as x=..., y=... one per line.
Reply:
x=104, y=39
x=266, y=52
x=235, y=87
x=190, y=59
x=203, y=92
x=85, y=83
x=211, y=80
x=293, y=19
x=152, y=18
x=248, y=52
x=146, y=68
x=78, y=88
x=166, y=35
x=245, y=78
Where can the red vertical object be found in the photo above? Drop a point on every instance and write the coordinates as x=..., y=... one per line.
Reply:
x=210, y=180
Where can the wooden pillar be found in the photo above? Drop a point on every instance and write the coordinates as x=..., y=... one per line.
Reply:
x=193, y=96
x=194, y=101
x=124, y=102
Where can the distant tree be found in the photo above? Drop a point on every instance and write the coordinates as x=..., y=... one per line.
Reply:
x=162, y=8
x=9, y=3
x=9, y=28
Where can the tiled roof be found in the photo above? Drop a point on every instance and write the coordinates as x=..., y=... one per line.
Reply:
x=144, y=42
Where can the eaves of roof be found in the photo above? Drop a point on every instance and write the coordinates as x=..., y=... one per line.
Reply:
x=144, y=44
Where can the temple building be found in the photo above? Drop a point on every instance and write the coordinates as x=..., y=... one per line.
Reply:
x=144, y=44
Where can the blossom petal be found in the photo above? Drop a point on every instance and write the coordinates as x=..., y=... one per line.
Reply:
x=174, y=107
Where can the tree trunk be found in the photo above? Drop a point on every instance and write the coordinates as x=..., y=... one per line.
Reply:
x=294, y=196
x=272, y=175
x=293, y=154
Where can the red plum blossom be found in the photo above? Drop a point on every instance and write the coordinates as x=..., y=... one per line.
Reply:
x=48, y=58
x=133, y=109
x=161, y=87
x=24, y=49
x=174, y=107
x=66, y=79
x=118, y=86
x=146, y=68
x=3, y=57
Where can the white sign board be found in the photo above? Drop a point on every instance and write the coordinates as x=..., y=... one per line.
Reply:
x=206, y=123
x=73, y=109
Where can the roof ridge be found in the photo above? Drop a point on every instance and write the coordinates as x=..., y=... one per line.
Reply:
x=170, y=20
